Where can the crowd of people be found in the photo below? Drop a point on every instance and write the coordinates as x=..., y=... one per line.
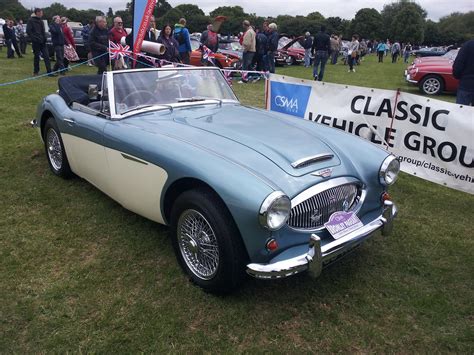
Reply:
x=259, y=45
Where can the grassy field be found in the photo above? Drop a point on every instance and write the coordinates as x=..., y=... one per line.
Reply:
x=79, y=273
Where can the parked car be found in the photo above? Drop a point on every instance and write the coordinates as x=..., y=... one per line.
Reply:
x=222, y=60
x=451, y=55
x=433, y=76
x=231, y=47
x=175, y=145
x=429, y=52
x=293, y=48
x=80, y=48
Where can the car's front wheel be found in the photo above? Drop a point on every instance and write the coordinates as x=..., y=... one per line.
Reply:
x=206, y=241
x=432, y=85
x=54, y=148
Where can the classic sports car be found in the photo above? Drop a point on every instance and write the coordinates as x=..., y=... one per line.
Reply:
x=221, y=60
x=231, y=47
x=175, y=146
x=433, y=76
x=451, y=55
x=429, y=52
x=293, y=48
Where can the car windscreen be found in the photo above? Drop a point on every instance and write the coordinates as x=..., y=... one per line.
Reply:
x=451, y=55
x=135, y=89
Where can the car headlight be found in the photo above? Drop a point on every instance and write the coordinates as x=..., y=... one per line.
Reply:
x=275, y=211
x=389, y=170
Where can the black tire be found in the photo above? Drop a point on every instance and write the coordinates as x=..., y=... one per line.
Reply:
x=432, y=85
x=54, y=149
x=223, y=275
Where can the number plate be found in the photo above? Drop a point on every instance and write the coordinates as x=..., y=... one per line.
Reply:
x=342, y=223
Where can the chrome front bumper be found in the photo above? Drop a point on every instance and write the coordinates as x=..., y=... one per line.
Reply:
x=317, y=256
x=409, y=79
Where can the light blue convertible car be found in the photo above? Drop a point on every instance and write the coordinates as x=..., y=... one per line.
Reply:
x=243, y=190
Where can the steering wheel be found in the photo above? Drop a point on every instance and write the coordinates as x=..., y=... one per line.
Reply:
x=139, y=97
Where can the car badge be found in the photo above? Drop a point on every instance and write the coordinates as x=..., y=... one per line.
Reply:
x=323, y=173
x=345, y=205
x=315, y=216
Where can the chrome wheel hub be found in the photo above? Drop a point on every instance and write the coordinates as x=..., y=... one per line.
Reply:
x=198, y=244
x=53, y=145
x=431, y=86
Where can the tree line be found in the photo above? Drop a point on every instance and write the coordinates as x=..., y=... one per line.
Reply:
x=402, y=20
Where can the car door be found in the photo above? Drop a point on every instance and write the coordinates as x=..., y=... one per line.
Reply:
x=83, y=138
x=134, y=182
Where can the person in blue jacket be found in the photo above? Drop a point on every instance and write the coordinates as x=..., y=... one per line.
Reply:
x=463, y=70
x=381, y=48
x=181, y=34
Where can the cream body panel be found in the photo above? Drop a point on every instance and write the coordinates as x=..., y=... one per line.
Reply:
x=135, y=184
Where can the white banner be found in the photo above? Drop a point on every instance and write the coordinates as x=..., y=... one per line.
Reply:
x=433, y=139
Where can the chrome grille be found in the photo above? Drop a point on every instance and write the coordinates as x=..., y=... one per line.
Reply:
x=316, y=210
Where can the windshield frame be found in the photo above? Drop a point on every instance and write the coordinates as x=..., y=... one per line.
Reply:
x=114, y=115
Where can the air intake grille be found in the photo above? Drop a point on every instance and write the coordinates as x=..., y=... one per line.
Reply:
x=316, y=210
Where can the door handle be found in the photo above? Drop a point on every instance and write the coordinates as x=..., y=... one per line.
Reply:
x=69, y=120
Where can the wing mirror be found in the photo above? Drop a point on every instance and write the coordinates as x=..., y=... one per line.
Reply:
x=93, y=92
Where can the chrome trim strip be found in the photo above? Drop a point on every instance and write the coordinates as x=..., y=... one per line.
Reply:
x=128, y=157
x=312, y=159
x=109, y=78
x=325, y=185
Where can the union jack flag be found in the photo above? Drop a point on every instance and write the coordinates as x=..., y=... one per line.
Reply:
x=118, y=51
x=208, y=55
x=228, y=76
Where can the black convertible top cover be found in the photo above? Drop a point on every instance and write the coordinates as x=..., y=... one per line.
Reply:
x=76, y=88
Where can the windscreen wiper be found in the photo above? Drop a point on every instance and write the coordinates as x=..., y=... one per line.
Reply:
x=140, y=107
x=197, y=99
x=190, y=99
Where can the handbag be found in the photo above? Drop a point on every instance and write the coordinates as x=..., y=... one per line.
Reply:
x=70, y=53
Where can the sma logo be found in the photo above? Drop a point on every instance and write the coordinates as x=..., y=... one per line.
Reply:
x=285, y=102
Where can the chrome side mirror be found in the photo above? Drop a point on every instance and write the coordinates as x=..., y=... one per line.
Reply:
x=93, y=92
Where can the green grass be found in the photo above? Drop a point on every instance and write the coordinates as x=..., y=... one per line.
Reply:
x=79, y=273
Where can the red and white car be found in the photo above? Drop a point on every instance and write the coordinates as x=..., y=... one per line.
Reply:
x=293, y=49
x=433, y=75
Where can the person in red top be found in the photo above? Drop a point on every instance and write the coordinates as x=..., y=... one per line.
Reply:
x=117, y=32
x=68, y=36
x=68, y=41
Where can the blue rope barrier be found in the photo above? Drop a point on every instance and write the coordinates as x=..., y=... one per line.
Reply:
x=46, y=74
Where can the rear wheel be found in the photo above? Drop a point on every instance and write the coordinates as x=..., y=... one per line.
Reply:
x=432, y=85
x=54, y=148
x=206, y=241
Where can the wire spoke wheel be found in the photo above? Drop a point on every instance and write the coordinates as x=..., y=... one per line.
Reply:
x=53, y=147
x=198, y=244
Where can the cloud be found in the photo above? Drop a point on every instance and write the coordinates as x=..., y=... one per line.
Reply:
x=342, y=8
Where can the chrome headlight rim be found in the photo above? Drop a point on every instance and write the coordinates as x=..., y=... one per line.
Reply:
x=385, y=167
x=266, y=207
